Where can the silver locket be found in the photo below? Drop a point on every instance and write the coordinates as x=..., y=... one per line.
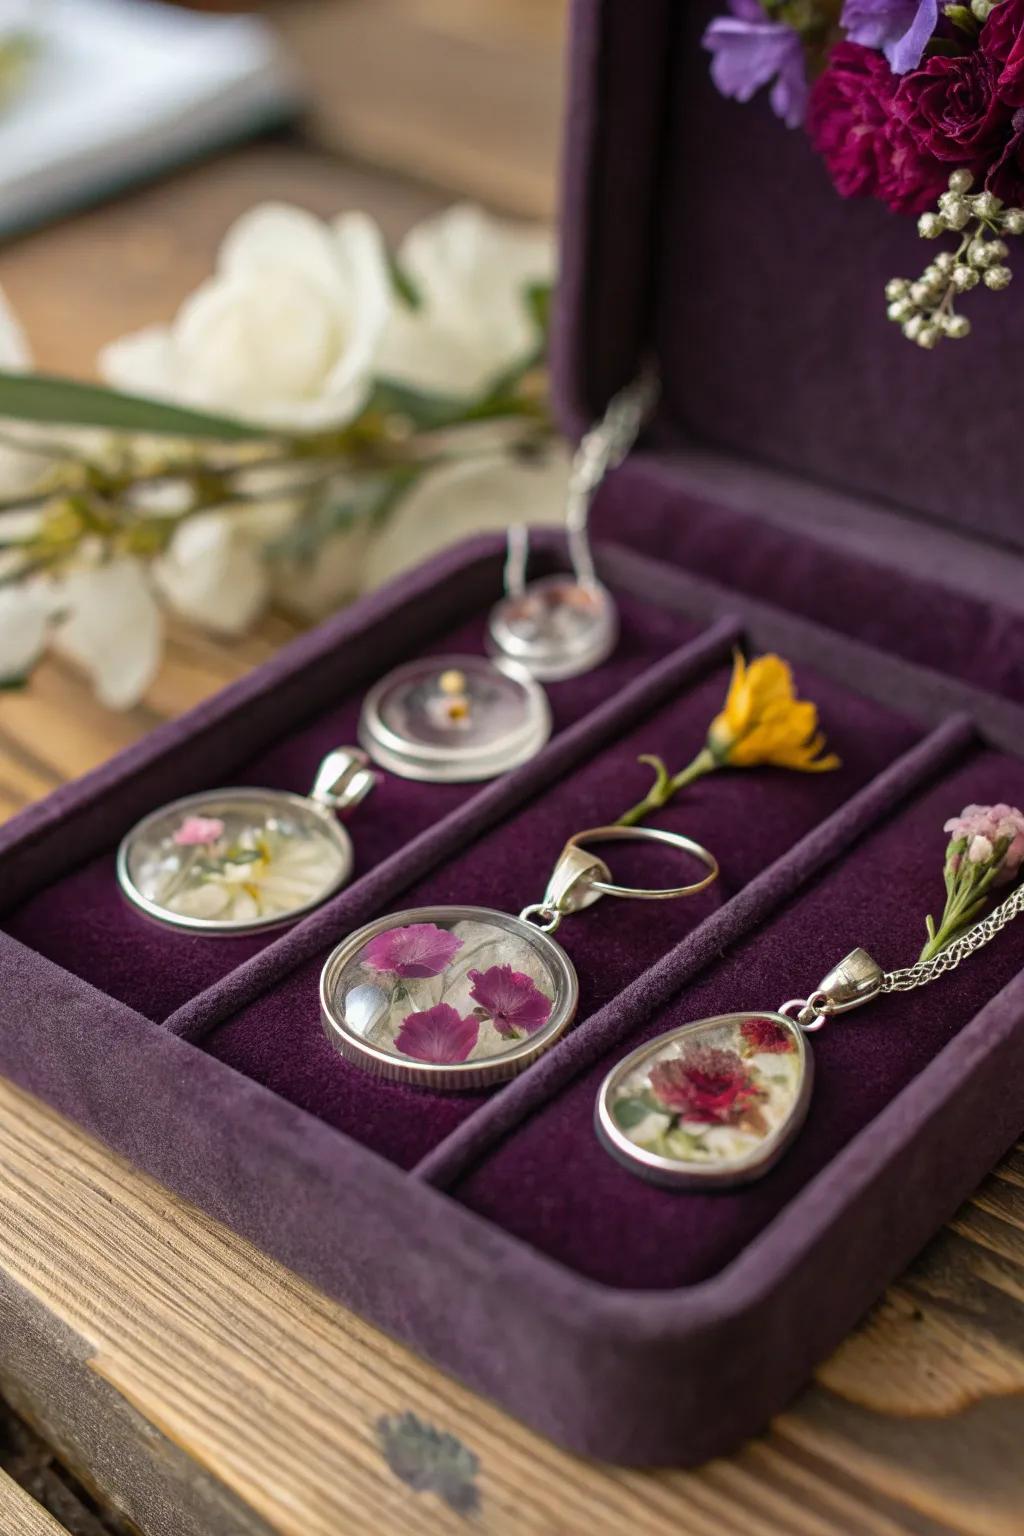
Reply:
x=228, y=862
x=459, y=997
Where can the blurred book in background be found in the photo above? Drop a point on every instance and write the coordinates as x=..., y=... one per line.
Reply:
x=101, y=93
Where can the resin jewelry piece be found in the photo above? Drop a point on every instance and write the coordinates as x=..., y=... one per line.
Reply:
x=717, y=1102
x=454, y=719
x=561, y=626
x=459, y=997
x=236, y=861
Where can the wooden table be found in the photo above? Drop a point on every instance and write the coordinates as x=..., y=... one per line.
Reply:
x=168, y=1378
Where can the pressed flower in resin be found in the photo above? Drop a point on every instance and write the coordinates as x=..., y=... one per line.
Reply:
x=705, y=1083
x=469, y=988
x=438, y=1034
x=760, y=1034
x=510, y=999
x=418, y=950
x=720, y=1095
x=249, y=863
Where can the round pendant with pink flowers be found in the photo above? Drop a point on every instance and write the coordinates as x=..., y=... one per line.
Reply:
x=447, y=997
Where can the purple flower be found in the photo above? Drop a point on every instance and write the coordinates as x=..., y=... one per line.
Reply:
x=421, y=949
x=901, y=29
x=980, y=832
x=510, y=1000
x=438, y=1034
x=749, y=51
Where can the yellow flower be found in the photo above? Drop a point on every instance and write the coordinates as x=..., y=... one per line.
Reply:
x=764, y=722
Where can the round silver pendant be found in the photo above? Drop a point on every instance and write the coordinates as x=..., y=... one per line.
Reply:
x=558, y=627
x=447, y=997
x=234, y=861
x=454, y=719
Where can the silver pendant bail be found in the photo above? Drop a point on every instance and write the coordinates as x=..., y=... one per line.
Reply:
x=856, y=980
x=343, y=780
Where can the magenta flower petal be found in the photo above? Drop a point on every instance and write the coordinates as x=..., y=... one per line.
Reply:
x=512, y=1001
x=438, y=1034
x=420, y=949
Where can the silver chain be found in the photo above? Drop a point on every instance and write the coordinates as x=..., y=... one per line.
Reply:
x=607, y=443
x=948, y=959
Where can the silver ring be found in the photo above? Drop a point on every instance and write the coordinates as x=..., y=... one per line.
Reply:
x=654, y=835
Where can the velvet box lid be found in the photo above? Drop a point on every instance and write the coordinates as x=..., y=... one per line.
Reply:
x=802, y=447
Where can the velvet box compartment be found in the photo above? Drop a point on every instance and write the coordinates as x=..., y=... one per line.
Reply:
x=490, y=1230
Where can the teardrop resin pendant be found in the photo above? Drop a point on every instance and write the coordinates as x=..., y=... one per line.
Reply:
x=712, y=1104
x=447, y=997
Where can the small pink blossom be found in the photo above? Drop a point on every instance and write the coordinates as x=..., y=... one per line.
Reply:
x=420, y=949
x=438, y=1034
x=980, y=831
x=510, y=999
x=197, y=831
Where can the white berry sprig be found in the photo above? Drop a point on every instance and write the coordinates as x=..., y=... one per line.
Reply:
x=924, y=309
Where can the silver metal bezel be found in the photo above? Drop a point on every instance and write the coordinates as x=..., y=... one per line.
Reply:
x=665, y=1171
x=212, y=927
x=430, y=763
x=463, y=1075
x=553, y=665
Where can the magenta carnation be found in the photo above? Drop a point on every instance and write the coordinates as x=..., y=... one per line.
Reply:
x=438, y=1034
x=953, y=110
x=420, y=949
x=705, y=1084
x=869, y=151
x=511, y=1000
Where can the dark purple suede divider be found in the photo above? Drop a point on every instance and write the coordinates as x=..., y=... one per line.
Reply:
x=551, y=1184
x=157, y=970
x=748, y=818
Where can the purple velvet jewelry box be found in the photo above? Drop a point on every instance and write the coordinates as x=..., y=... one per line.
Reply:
x=490, y=1230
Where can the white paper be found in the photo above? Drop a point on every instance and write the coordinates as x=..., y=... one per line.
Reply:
x=123, y=88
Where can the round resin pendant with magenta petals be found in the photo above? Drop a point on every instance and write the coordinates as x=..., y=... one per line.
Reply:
x=447, y=997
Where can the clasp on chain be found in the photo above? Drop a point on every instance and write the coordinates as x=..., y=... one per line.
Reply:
x=856, y=980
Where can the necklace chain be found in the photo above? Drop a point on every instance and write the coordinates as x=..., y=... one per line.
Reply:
x=948, y=959
x=608, y=442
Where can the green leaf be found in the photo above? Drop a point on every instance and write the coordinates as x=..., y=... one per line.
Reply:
x=628, y=1113
x=403, y=285
x=427, y=412
x=41, y=397
x=538, y=302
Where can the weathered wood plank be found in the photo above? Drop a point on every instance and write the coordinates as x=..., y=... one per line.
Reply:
x=21, y=1515
x=200, y=1376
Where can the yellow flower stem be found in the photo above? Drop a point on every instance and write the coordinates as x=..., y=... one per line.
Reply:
x=666, y=785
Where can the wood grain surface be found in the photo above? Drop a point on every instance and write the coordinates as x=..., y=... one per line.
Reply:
x=193, y=1387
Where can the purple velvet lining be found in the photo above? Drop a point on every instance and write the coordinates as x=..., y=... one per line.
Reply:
x=157, y=970
x=551, y=1184
x=748, y=818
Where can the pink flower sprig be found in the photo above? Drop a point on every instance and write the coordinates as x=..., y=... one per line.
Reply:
x=985, y=852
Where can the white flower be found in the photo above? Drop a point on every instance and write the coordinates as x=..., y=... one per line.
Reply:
x=24, y=617
x=284, y=334
x=473, y=497
x=214, y=572
x=470, y=273
x=111, y=627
